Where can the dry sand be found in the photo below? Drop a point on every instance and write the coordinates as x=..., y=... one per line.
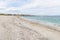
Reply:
x=12, y=29
x=16, y=28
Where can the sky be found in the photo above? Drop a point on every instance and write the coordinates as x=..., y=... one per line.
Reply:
x=34, y=7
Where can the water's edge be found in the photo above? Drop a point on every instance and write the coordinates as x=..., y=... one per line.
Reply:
x=50, y=25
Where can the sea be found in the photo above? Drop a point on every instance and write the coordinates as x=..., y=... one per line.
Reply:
x=50, y=19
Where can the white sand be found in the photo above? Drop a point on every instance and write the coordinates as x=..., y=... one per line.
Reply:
x=12, y=29
x=15, y=28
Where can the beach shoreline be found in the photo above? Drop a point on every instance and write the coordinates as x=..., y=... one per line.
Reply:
x=17, y=28
x=50, y=25
x=45, y=30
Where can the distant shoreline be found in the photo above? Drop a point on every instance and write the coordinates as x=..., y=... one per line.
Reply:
x=7, y=14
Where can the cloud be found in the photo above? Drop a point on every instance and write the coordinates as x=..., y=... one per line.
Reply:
x=40, y=7
x=41, y=3
x=3, y=4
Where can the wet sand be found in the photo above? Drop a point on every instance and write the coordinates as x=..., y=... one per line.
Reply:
x=16, y=28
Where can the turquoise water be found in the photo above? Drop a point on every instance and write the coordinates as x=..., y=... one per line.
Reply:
x=51, y=19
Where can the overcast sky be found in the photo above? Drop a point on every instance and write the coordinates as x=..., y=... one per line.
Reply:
x=36, y=7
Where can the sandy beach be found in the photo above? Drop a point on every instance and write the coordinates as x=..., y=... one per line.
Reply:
x=17, y=28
